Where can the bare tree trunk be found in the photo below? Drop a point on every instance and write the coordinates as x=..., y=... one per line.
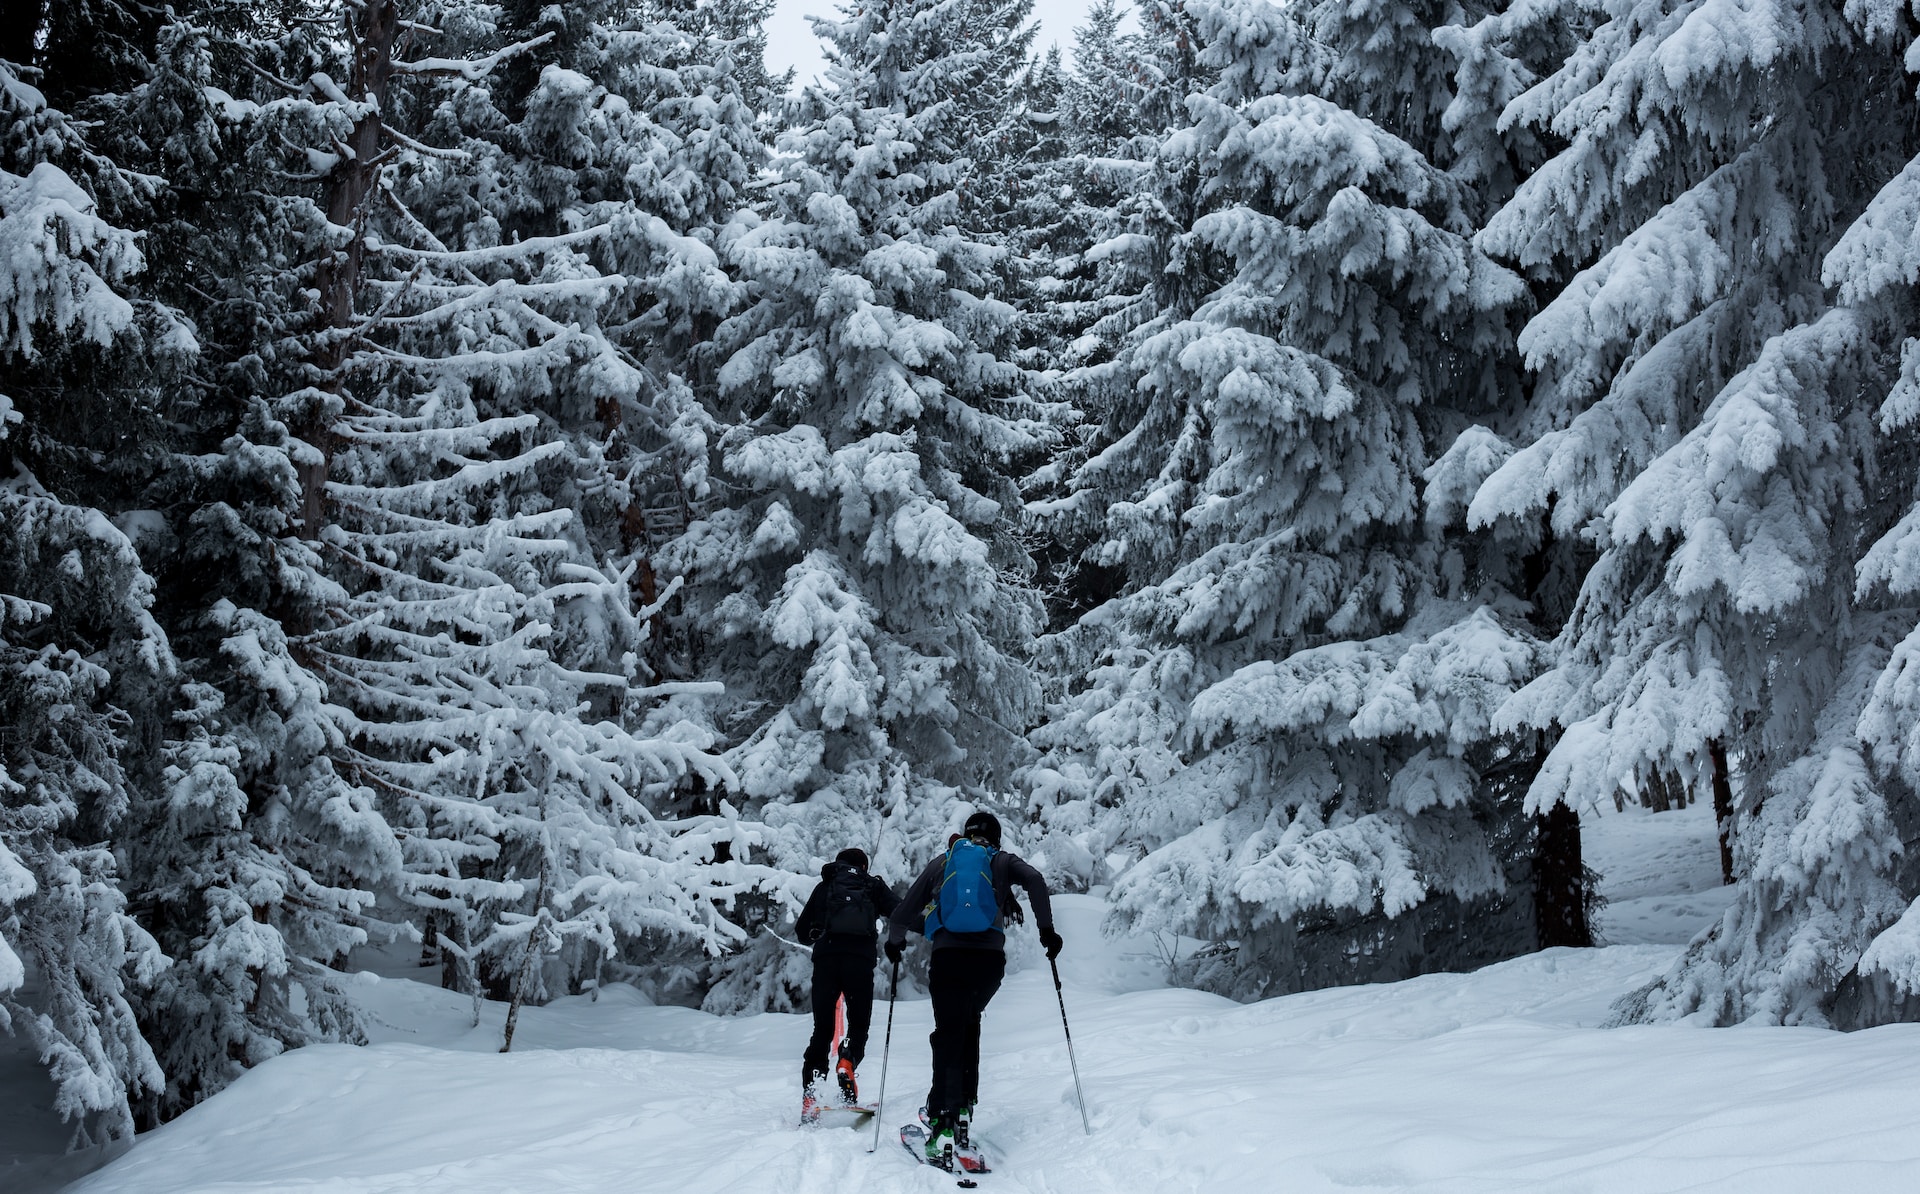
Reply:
x=457, y=971
x=525, y=976
x=1559, y=880
x=1660, y=790
x=1723, y=807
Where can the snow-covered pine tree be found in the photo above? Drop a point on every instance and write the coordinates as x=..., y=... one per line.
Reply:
x=1058, y=203
x=1496, y=57
x=1109, y=286
x=1103, y=85
x=485, y=656
x=730, y=34
x=1100, y=146
x=863, y=593
x=1705, y=410
x=643, y=123
x=658, y=134
x=82, y=662
x=1043, y=217
x=989, y=58
x=1285, y=737
x=241, y=849
x=1875, y=266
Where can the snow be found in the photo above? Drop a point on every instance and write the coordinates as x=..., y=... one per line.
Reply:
x=1896, y=951
x=1493, y=1081
x=58, y=262
x=1659, y=871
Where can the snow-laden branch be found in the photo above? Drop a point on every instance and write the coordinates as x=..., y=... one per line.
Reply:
x=491, y=254
x=470, y=69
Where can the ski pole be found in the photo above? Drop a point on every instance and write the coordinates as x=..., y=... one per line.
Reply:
x=1077, y=1091
x=879, y=1104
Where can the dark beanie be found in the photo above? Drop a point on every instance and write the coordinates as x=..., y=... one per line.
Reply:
x=853, y=857
x=986, y=827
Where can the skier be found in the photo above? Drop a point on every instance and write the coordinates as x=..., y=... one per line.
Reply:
x=840, y=922
x=962, y=902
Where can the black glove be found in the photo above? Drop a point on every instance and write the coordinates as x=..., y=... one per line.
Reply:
x=895, y=949
x=1050, y=940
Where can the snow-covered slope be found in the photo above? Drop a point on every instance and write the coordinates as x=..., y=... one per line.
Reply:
x=1493, y=1081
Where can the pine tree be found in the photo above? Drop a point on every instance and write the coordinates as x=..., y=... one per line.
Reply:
x=1113, y=291
x=251, y=785
x=245, y=855
x=78, y=644
x=863, y=594
x=1532, y=561
x=482, y=649
x=1103, y=92
x=1287, y=730
x=1044, y=219
x=1704, y=411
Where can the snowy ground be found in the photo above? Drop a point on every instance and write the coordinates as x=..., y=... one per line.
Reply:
x=1495, y=1081
x=1660, y=873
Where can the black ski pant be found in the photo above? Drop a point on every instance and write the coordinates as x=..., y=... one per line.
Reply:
x=962, y=982
x=834, y=976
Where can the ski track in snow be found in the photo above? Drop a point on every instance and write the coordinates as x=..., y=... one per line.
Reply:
x=1495, y=1081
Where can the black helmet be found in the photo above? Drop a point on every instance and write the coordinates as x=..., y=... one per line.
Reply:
x=853, y=856
x=984, y=826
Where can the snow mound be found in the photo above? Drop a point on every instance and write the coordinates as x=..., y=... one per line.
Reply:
x=1485, y=1082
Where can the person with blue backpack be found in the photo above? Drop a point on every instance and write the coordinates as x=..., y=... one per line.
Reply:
x=962, y=903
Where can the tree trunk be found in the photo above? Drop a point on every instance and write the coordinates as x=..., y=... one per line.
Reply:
x=520, y=981
x=1723, y=807
x=457, y=970
x=1559, y=880
x=349, y=185
x=519, y=993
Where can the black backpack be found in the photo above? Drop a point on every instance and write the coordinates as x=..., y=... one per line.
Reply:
x=850, y=907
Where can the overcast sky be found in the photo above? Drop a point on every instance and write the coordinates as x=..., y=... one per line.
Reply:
x=790, y=40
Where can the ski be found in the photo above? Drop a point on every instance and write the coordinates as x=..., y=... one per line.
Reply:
x=966, y=1161
x=849, y=1109
x=837, y=1114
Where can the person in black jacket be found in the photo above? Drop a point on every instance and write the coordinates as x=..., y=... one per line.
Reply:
x=839, y=922
x=965, y=971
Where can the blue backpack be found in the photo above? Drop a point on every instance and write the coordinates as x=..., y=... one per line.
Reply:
x=965, y=902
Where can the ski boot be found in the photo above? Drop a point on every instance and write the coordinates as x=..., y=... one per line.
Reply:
x=809, y=1107
x=849, y=1090
x=940, y=1141
x=962, y=1121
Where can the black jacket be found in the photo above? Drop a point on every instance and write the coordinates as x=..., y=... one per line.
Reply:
x=811, y=927
x=1006, y=869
